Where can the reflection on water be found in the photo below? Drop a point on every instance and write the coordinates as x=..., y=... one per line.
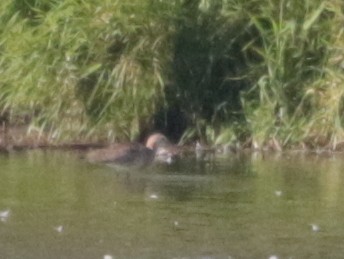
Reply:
x=56, y=205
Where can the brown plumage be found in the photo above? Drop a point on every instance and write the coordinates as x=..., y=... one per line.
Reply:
x=132, y=154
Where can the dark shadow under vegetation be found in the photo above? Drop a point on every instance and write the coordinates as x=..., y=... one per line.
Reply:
x=209, y=70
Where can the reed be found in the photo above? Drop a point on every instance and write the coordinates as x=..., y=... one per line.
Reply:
x=80, y=68
x=288, y=71
x=233, y=70
x=297, y=80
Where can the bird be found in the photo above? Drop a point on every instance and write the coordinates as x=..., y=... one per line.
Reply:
x=165, y=151
x=157, y=147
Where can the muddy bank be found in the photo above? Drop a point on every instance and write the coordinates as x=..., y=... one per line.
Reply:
x=17, y=138
x=22, y=138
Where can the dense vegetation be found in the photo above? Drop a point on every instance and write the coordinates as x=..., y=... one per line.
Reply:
x=222, y=70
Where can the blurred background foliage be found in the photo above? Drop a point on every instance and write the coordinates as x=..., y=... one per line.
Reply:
x=219, y=71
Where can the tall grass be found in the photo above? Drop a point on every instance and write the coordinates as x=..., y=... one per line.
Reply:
x=226, y=70
x=278, y=57
x=84, y=67
x=298, y=41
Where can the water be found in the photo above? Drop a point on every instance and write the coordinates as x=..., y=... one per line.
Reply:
x=56, y=205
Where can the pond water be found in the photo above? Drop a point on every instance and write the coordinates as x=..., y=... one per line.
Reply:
x=56, y=205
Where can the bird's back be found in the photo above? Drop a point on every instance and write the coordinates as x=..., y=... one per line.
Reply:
x=123, y=155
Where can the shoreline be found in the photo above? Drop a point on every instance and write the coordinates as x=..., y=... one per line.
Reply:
x=19, y=138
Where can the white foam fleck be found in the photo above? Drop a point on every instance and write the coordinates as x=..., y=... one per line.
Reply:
x=4, y=215
x=278, y=193
x=59, y=229
x=315, y=227
x=153, y=196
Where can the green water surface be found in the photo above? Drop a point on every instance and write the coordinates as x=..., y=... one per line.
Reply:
x=56, y=205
